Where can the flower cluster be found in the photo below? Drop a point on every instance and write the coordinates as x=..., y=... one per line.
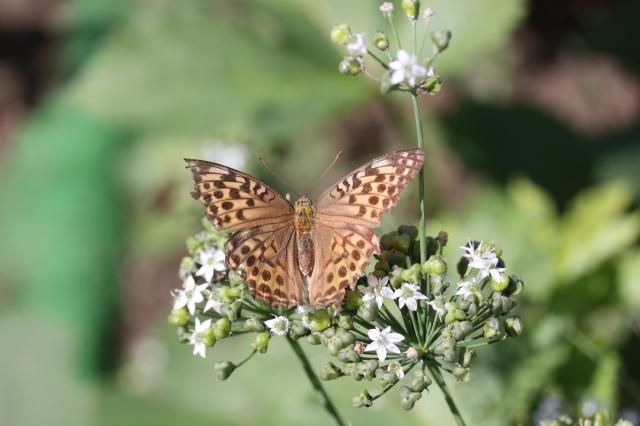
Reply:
x=404, y=316
x=401, y=68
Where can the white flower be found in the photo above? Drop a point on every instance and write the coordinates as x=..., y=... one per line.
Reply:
x=278, y=325
x=467, y=289
x=383, y=341
x=190, y=295
x=431, y=72
x=409, y=294
x=406, y=68
x=386, y=8
x=478, y=258
x=377, y=290
x=356, y=46
x=428, y=13
x=212, y=260
x=395, y=368
x=213, y=303
x=438, y=305
x=197, y=337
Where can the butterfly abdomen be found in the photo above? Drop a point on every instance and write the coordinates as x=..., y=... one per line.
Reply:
x=303, y=222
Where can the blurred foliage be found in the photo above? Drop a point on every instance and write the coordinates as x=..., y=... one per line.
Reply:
x=148, y=82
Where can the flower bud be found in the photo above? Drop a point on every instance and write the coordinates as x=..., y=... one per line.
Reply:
x=435, y=265
x=501, y=283
x=432, y=85
x=461, y=329
x=297, y=330
x=183, y=334
x=461, y=374
x=224, y=369
x=454, y=313
x=261, y=342
x=387, y=378
x=369, y=311
x=350, y=66
x=179, y=317
x=330, y=372
x=345, y=321
x=513, y=326
x=334, y=345
x=467, y=357
x=402, y=243
x=382, y=265
x=463, y=265
x=353, y=299
x=420, y=381
x=235, y=280
x=501, y=304
x=409, y=230
x=409, y=400
x=340, y=33
x=233, y=310
x=447, y=349
x=438, y=284
x=313, y=339
x=209, y=338
x=187, y=266
x=253, y=324
x=440, y=40
x=362, y=400
x=386, y=240
x=515, y=286
x=222, y=328
x=381, y=41
x=346, y=338
x=491, y=327
x=348, y=354
x=319, y=320
x=411, y=8
x=229, y=294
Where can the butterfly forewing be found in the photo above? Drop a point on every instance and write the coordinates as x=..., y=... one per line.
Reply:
x=348, y=211
x=263, y=242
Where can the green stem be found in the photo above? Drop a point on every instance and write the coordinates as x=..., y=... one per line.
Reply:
x=315, y=382
x=437, y=376
x=420, y=138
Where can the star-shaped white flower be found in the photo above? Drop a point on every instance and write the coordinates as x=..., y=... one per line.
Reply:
x=212, y=260
x=357, y=46
x=409, y=294
x=190, y=295
x=197, y=337
x=386, y=8
x=467, y=289
x=377, y=290
x=213, y=303
x=278, y=325
x=478, y=257
x=395, y=368
x=406, y=68
x=383, y=341
x=438, y=304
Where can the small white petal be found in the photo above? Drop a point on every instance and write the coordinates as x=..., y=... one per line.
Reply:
x=381, y=351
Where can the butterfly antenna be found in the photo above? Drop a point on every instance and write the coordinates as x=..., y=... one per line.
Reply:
x=270, y=170
x=333, y=163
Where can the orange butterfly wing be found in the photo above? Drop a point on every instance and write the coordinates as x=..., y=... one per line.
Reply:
x=263, y=241
x=346, y=215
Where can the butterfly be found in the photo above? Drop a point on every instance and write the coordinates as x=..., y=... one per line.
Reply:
x=276, y=244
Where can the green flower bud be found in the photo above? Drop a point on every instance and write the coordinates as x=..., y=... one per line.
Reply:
x=350, y=66
x=432, y=84
x=461, y=329
x=463, y=265
x=387, y=378
x=447, y=349
x=319, y=320
x=438, y=284
x=330, y=372
x=362, y=400
x=187, y=265
x=382, y=265
x=209, y=338
x=179, y=317
x=313, y=339
x=348, y=355
x=501, y=304
x=340, y=33
x=515, y=286
x=224, y=369
x=297, y=330
x=454, y=313
x=345, y=321
x=386, y=242
x=261, y=342
x=353, y=300
x=253, y=324
x=432, y=246
x=346, y=338
x=235, y=280
x=440, y=40
x=402, y=243
x=467, y=357
x=411, y=8
x=513, y=326
x=349, y=367
x=369, y=311
x=405, y=391
x=396, y=258
x=435, y=265
x=420, y=381
x=409, y=230
x=493, y=247
x=333, y=346
x=491, y=327
x=233, y=311
x=409, y=400
x=501, y=283
x=461, y=374
x=183, y=334
x=381, y=41
x=222, y=328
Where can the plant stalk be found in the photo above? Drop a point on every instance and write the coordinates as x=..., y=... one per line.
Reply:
x=315, y=382
x=420, y=137
x=437, y=376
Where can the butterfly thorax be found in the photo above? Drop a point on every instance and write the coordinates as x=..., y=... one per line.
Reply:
x=303, y=222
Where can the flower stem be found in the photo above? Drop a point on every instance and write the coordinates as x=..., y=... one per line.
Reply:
x=315, y=382
x=420, y=138
x=437, y=376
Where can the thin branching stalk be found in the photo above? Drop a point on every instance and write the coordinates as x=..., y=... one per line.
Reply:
x=437, y=376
